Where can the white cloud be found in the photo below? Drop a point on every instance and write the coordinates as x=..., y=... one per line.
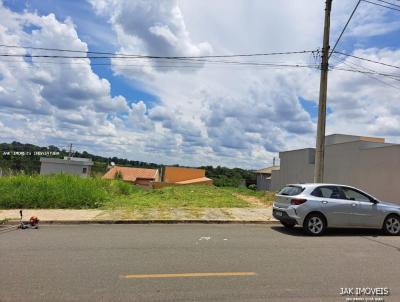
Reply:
x=55, y=101
x=157, y=29
x=241, y=112
x=208, y=114
x=229, y=111
x=364, y=103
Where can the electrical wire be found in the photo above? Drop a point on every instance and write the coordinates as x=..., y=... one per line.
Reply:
x=184, y=60
x=181, y=63
x=104, y=55
x=371, y=76
x=344, y=28
x=388, y=3
x=393, y=77
x=368, y=60
x=237, y=64
x=367, y=72
x=381, y=5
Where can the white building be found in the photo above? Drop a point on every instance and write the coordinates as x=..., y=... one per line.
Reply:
x=264, y=178
x=365, y=162
x=69, y=165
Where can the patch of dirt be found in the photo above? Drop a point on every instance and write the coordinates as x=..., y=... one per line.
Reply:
x=252, y=200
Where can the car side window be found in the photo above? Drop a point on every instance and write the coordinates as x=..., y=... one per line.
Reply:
x=327, y=192
x=352, y=194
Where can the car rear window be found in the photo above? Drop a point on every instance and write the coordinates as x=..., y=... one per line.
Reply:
x=327, y=192
x=291, y=190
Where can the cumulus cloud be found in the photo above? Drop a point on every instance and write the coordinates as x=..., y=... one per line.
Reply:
x=48, y=87
x=367, y=101
x=232, y=115
x=155, y=28
x=54, y=100
x=239, y=113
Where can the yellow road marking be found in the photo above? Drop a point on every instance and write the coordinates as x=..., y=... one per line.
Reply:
x=184, y=275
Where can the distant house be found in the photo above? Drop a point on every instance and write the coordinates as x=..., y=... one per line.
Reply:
x=185, y=176
x=137, y=176
x=69, y=165
x=264, y=178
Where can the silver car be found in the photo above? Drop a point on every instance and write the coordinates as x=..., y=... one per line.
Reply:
x=318, y=206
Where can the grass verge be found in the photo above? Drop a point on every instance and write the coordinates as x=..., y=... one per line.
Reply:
x=72, y=192
x=58, y=191
x=195, y=196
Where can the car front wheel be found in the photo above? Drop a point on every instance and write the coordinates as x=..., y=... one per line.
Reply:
x=314, y=224
x=391, y=226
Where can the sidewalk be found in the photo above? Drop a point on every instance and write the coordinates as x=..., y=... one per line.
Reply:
x=206, y=215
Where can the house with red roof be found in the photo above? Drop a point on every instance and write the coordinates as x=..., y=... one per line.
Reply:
x=138, y=176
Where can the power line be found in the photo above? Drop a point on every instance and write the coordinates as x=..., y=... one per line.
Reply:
x=146, y=57
x=368, y=60
x=239, y=63
x=390, y=3
x=381, y=5
x=231, y=63
x=191, y=61
x=351, y=15
x=338, y=59
x=391, y=76
x=370, y=75
x=56, y=49
x=106, y=55
x=368, y=72
x=344, y=28
x=181, y=63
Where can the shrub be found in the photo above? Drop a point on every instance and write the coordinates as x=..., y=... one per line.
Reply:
x=54, y=191
x=252, y=187
x=121, y=188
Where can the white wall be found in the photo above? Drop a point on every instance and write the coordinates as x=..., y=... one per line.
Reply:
x=56, y=168
x=372, y=167
x=295, y=167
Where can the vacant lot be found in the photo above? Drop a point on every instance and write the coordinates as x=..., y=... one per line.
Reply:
x=67, y=191
x=195, y=196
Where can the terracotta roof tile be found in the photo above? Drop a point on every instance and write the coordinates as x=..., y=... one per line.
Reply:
x=194, y=180
x=131, y=174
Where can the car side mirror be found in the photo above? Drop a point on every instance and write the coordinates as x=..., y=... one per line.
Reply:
x=374, y=201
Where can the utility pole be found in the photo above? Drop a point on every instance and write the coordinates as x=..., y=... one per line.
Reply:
x=320, y=143
x=70, y=150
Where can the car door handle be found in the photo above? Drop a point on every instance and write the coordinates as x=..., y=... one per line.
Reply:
x=353, y=204
x=324, y=202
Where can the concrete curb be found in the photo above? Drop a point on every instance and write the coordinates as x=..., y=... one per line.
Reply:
x=152, y=221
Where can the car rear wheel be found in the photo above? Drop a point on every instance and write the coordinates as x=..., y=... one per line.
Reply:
x=288, y=225
x=391, y=226
x=314, y=224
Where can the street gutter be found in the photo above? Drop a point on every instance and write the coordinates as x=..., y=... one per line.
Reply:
x=12, y=223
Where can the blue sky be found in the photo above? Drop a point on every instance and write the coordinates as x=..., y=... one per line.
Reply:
x=208, y=115
x=85, y=20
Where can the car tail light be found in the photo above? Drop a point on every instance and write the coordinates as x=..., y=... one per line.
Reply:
x=297, y=201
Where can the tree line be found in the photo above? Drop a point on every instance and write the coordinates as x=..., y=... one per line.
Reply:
x=17, y=157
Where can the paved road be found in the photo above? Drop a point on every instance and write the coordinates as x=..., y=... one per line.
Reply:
x=257, y=262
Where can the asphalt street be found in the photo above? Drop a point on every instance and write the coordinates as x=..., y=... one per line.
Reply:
x=193, y=262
